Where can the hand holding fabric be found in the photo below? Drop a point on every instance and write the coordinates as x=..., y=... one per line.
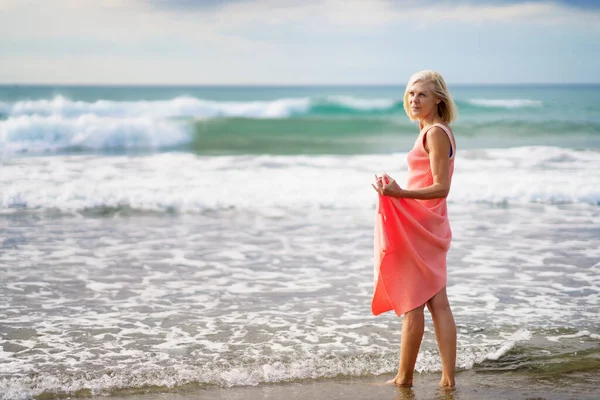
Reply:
x=387, y=186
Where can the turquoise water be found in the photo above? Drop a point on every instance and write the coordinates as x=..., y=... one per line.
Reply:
x=165, y=238
x=284, y=120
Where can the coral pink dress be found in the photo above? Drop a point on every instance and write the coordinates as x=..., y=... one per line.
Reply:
x=412, y=238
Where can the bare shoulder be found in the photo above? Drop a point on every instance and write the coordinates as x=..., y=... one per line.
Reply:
x=437, y=139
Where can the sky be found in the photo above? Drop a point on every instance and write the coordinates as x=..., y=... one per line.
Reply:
x=297, y=42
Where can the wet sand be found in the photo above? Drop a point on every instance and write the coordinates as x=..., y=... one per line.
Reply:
x=470, y=386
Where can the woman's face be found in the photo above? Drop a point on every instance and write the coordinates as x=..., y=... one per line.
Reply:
x=423, y=102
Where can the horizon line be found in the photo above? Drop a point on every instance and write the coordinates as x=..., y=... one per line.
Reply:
x=122, y=84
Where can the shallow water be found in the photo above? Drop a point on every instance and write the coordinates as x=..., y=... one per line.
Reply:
x=234, y=298
x=241, y=263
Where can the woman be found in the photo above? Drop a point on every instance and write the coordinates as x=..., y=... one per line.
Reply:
x=412, y=232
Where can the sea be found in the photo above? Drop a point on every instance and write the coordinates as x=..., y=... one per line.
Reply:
x=204, y=241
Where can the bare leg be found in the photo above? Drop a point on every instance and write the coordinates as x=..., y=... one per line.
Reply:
x=445, y=333
x=413, y=326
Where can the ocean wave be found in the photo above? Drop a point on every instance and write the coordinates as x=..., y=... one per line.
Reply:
x=186, y=106
x=197, y=108
x=505, y=103
x=151, y=376
x=509, y=344
x=177, y=107
x=362, y=104
x=157, y=371
x=332, y=124
x=348, y=105
x=296, y=135
x=60, y=124
x=579, y=334
x=183, y=182
x=36, y=133
x=166, y=373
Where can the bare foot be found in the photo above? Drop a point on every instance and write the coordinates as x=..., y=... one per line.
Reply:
x=447, y=383
x=399, y=381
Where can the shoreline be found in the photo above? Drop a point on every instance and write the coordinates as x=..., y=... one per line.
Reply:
x=471, y=385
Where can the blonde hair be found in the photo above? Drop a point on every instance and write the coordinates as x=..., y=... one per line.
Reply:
x=446, y=108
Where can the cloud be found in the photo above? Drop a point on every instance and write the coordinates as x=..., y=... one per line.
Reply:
x=120, y=22
x=251, y=25
x=307, y=41
x=583, y=4
x=369, y=13
x=127, y=20
x=187, y=5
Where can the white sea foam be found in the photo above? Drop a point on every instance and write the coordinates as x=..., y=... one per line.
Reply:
x=187, y=183
x=166, y=373
x=573, y=336
x=177, y=107
x=187, y=107
x=35, y=133
x=511, y=340
x=59, y=123
x=362, y=103
x=506, y=103
x=234, y=297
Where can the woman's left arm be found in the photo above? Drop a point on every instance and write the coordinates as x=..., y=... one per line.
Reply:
x=438, y=146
